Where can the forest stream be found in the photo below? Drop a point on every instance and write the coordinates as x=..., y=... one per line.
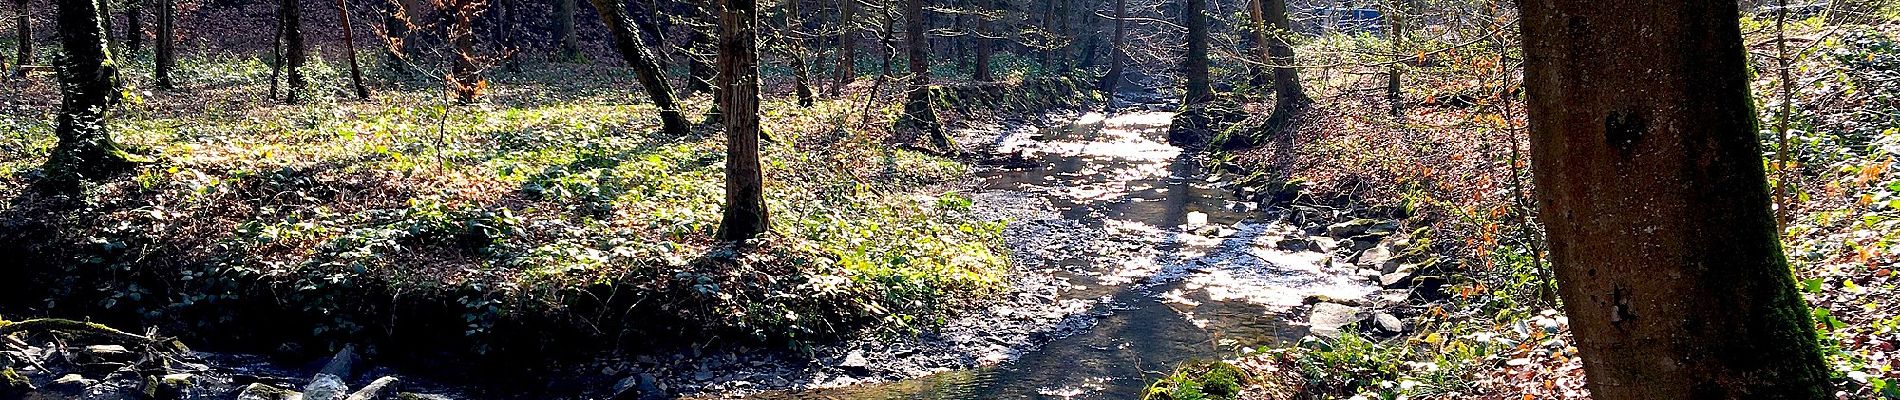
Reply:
x=1163, y=266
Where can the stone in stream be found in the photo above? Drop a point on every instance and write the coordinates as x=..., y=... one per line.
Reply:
x=259, y=391
x=638, y=387
x=1196, y=218
x=71, y=384
x=855, y=362
x=108, y=353
x=1400, y=277
x=1387, y=324
x=1326, y=319
x=1350, y=228
x=374, y=390
x=328, y=383
x=170, y=387
x=13, y=385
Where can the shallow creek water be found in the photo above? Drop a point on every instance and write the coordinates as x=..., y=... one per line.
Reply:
x=1172, y=268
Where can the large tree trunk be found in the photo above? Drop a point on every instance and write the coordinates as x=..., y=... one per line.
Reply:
x=569, y=48
x=635, y=53
x=349, y=48
x=1288, y=97
x=1044, y=56
x=105, y=20
x=1649, y=176
x=1260, y=75
x=847, y=68
x=165, y=58
x=1194, y=65
x=88, y=83
x=291, y=16
x=919, y=117
x=985, y=48
x=464, y=76
x=1117, y=57
x=795, y=52
x=699, y=44
x=134, y=26
x=24, y=24
x=745, y=214
x=396, y=29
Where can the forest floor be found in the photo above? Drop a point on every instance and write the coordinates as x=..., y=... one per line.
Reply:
x=1455, y=170
x=550, y=213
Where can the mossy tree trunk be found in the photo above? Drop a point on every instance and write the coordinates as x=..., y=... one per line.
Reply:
x=1195, y=66
x=290, y=17
x=1117, y=55
x=164, y=58
x=1650, y=179
x=634, y=51
x=919, y=116
x=569, y=48
x=88, y=80
x=1288, y=97
x=745, y=214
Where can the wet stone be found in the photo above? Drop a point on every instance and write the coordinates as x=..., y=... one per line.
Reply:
x=1327, y=319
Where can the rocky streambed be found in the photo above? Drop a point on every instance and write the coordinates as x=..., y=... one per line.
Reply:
x=1130, y=260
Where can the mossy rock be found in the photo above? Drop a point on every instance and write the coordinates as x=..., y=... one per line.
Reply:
x=13, y=385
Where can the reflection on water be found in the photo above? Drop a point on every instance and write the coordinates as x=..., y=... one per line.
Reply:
x=1174, y=288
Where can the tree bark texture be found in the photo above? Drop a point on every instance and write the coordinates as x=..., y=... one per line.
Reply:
x=919, y=116
x=745, y=214
x=635, y=53
x=1194, y=65
x=290, y=14
x=165, y=56
x=23, y=52
x=1649, y=176
x=88, y=87
x=1288, y=96
x=349, y=47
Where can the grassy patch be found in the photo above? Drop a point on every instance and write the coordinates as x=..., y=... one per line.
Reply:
x=553, y=210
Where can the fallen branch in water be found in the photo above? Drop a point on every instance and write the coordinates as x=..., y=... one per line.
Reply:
x=70, y=326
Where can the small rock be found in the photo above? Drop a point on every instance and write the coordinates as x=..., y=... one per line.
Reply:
x=13, y=385
x=1327, y=319
x=325, y=387
x=856, y=363
x=172, y=387
x=1196, y=218
x=374, y=390
x=1294, y=244
x=638, y=387
x=259, y=391
x=1388, y=323
x=1351, y=228
x=71, y=383
x=1396, y=280
x=109, y=353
